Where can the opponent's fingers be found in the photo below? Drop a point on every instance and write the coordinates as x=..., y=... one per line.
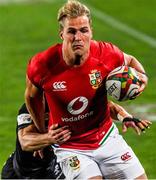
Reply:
x=57, y=126
x=41, y=154
x=64, y=138
x=57, y=130
x=67, y=136
x=38, y=153
x=62, y=134
x=35, y=153
x=53, y=126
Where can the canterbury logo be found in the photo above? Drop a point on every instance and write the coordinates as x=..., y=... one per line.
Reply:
x=126, y=156
x=59, y=86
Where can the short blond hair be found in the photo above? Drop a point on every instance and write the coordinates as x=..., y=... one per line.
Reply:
x=72, y=9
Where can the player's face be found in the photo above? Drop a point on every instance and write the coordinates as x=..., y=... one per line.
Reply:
x=76, y=36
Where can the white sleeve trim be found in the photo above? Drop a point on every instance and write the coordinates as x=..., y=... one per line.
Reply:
x=23, y=119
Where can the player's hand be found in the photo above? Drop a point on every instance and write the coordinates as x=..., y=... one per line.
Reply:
x=135, y=123
x=58, y=135
x=38, y=153
x=143, y=83
x=144, y=80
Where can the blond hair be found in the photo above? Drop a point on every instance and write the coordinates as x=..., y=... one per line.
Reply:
x=72, y=9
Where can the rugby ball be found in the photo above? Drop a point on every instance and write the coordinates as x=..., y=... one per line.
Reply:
x=123, y=83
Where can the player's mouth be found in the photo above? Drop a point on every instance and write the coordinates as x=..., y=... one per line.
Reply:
x=77, y=46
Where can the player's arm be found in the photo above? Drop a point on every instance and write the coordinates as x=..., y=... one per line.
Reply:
x=116, y=110
x=31, y=140
x=35, y=104
x=119, y=113
x=133, y=62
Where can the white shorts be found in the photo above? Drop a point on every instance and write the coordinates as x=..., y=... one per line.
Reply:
x=112, y=160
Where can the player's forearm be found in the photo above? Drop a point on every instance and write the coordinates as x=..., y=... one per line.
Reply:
x=36, y=109
x=117, y=112
x=34, y=141
x=133, y=62
x=35, y=105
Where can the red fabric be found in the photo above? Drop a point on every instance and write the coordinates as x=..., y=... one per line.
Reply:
x=77, y=96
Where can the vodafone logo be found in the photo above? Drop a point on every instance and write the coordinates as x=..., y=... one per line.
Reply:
x=77, y=105
x=59, y=86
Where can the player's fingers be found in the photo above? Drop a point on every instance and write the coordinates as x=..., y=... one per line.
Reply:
x=124, y=128
x=144, y=80
x=67, y=136
x=146, y=124
x=135, y=95
x=54, y=126
x=132, y=125
x=62, y=130
x=64, y=138
x=57, y=130
x=137, y=130
x=62, y=134
x=35, y=154
x=38, y=153
x=41, y=154
x=140, y=126
x=142, y=87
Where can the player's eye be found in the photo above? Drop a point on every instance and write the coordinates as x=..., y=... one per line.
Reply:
x=71, y=31
x=84, y=30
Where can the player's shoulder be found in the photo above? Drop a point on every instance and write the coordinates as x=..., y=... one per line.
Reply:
x=108, y=53
x=46, y=57
x=101, y=46
x=42, y=63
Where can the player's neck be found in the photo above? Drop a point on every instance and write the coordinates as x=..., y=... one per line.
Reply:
x=76, y=60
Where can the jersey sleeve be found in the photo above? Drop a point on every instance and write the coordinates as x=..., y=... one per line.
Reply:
x=36, y=70
x=23, y=118
x=112, y=55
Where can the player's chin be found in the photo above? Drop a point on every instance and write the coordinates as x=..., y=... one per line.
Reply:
x=78, y=53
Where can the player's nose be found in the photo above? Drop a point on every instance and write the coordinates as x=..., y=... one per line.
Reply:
x=78, y=35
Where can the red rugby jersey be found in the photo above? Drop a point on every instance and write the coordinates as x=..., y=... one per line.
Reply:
x=76, y=95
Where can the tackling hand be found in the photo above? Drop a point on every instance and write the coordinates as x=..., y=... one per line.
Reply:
x=58, y=135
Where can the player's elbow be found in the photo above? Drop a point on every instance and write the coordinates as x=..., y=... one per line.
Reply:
x=26, y=144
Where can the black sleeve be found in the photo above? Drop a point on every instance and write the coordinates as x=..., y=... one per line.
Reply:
x=23, y=110
x=23, y=118
x=8, y=171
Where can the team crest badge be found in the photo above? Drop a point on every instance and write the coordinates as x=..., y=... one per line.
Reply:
x=95, y=79
x=74, y=162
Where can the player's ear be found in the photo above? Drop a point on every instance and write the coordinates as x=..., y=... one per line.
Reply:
x=61, y=34
x=91, y=32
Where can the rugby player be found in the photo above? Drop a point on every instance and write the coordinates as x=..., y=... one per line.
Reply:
x=72, y=75
x=23, y=164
